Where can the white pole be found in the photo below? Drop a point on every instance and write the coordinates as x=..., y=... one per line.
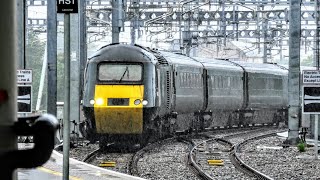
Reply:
x=316, y=118
x=43, y=74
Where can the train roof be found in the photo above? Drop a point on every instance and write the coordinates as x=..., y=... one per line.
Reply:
x=263, y=68
x=123, y=52
x=174, y=58
x=220, y=64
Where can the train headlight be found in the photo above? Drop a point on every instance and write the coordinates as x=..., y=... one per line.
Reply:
x=137, y=102
x=92, y=102
x=99, y=101
x=144, y=102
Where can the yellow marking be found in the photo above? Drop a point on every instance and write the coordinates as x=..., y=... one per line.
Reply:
x=216, y=164
x=56, y=173
x=119, y=119
x=215, y=161
x=108, y=164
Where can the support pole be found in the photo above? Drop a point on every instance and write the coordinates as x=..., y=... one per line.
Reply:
x=74, y=77
x=317, y=35
x=294, y=71
x=117, y=21
x=316, y=119
x=258, y=27
x=265, y=39
x=82, y=41
x=8, y=69
x=224, y=23
x=316, y=116
x=21, y=33
x=134, y=21
x=66, y=111
x=187, y=25
x=52, y=57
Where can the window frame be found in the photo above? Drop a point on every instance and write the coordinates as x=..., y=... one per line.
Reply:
x=122, y=81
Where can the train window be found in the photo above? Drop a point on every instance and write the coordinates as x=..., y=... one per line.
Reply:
x=120, y=72
x=188, y=80
x=197, y=81
x=271, y=83
x=220, y=83
x=259, y=83
x=212, y=81
x=278, y=84
x=224, y=82
x=234, y=83
x=184, y=80
x=191, y=80
x=216, y=78
x=180, y=79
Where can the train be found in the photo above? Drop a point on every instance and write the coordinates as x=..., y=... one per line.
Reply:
x=132, y=92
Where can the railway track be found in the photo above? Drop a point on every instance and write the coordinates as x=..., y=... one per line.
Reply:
x=185, y=156
x=218, y=157
x=110, y=159
x=238, y=162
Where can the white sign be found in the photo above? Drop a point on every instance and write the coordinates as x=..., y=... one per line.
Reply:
x=311, y=77
x=24, y=98
x=24, y=76
x=311, y=99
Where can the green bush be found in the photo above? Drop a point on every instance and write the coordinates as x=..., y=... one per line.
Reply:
x=302, y=147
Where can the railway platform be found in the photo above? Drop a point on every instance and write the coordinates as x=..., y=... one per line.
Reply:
x=52, y=170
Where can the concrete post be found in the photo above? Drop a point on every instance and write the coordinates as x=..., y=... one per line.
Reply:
x=8, y=87
x=294, y=70
x=52, y=57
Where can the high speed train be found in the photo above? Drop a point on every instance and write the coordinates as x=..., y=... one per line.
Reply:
x=131, y=92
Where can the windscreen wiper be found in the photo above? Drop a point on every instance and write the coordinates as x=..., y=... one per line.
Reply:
x=124, y=73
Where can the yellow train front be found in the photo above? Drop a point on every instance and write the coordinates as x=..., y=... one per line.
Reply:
x=118, y=94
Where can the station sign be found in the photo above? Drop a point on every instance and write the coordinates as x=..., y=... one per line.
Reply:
x=311, y=99
x=311, y=77
x=67, y=6
x=24, y=98
x=24, y=76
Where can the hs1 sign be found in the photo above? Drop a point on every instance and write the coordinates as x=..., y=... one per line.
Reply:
x=67, y=6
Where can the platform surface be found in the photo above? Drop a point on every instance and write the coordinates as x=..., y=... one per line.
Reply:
x=78, y=170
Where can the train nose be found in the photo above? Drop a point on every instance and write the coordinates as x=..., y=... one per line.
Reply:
x=120, y=112
x=119, y=120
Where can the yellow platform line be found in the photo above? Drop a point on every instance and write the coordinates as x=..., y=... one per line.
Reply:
x=56, y=173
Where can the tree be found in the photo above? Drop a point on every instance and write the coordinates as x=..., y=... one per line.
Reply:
x=34, y=51
x=307, y=61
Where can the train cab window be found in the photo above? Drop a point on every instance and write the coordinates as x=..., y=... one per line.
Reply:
x=115, y=72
